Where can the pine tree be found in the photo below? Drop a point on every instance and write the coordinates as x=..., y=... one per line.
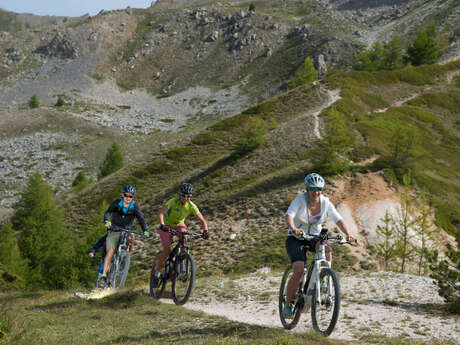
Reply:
x=424, y=49
x=403, y=224
x=386, y=249
x=306, y=73
x=89, y=236
x=33, y=102
x=394, y=58
x=43, y=241
x=113, y=161
x=14, y=267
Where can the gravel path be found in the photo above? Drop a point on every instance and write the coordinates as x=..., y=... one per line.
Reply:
x=383, y=303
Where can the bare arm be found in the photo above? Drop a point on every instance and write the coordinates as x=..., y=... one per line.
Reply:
x=204, y=225
x=291, y=225
x=342, y=226
x=163, y=210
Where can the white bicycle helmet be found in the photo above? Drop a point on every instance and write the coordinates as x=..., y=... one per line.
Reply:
x=314, y=181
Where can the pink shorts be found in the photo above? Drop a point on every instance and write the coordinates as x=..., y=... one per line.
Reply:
x=167, y=238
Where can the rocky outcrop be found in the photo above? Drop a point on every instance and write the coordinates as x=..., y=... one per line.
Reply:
x=61, y=46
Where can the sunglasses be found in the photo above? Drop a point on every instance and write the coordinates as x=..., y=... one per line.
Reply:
x=315, y=189
x=128, y=196
x=186, y=195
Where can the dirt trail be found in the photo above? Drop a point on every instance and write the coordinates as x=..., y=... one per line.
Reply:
x=383, y=303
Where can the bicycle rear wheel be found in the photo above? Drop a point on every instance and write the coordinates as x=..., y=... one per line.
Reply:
x=183, y=279
x=157, y=291
x=297, y=302
x=325, y=308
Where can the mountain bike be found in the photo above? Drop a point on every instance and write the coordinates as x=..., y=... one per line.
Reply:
x=319, y=288
x=121, y=259
x=179, y=268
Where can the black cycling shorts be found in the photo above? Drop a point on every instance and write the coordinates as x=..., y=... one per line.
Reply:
x=297, y=249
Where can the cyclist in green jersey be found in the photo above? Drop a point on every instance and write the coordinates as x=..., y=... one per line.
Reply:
x=173, y=214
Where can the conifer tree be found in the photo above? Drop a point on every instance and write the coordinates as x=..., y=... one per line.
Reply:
x=113, y=161
x=394, y=58
x=44, y=241
x=89, y=236
x=14, y=267
x=33, y=102
x=306, y=73
x=424, y=49
x=386, y=249
x=403, y=224
x=373, y=59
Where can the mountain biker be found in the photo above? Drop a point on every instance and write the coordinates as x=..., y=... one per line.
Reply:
x=305, y=216
x=123, y=212
x=173, y=213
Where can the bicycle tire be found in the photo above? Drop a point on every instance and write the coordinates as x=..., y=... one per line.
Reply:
x=113, y=271
x=298, y=303
x=157, y=292
x=183, y=278
x=123, y=268
x=329, y=307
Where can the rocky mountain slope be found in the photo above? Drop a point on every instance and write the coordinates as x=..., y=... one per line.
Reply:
x=172, y=68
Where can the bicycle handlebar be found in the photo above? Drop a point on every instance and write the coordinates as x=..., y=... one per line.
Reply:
x=324, y=235
x=121, y=229
x=174, y=231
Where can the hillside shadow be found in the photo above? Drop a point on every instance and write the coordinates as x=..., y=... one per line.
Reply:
x=23, y=295
x=219, y=329
x=412, y=307
x=54, y=305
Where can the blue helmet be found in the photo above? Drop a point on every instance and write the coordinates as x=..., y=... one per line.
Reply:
x=129, y=189
x=186, y=188
x=314, y=181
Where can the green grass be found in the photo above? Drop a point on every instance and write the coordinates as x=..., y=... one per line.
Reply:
x=125, y=318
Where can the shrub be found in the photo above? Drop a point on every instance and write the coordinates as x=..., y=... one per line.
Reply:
x=306, y=73
x=33, y=102
x=159, y=166
x=113, y=161
x=203, y=139
x=252, y=136
x=179, y=153
x=59, y=102
x=81, y=181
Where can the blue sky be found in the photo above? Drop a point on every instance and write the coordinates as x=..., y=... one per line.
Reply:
x=69, y=8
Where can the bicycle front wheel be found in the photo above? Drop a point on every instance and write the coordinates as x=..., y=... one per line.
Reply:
x=122, y=274
x=289, y=322
x=183, y=279
x=326, y=307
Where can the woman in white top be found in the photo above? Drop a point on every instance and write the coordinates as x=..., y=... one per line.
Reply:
x=305, y=216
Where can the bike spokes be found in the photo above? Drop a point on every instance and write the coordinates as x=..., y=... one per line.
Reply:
x=157, y=285
x=289, y=321
x=184, y=275
x=326, y=306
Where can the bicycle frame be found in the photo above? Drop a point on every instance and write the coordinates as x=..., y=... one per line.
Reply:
x=313, y=279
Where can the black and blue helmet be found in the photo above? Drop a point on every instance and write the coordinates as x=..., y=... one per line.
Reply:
x=129, y=189
x=186, y=188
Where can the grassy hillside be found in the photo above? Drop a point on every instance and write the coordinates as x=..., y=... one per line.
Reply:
x=246, y=192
